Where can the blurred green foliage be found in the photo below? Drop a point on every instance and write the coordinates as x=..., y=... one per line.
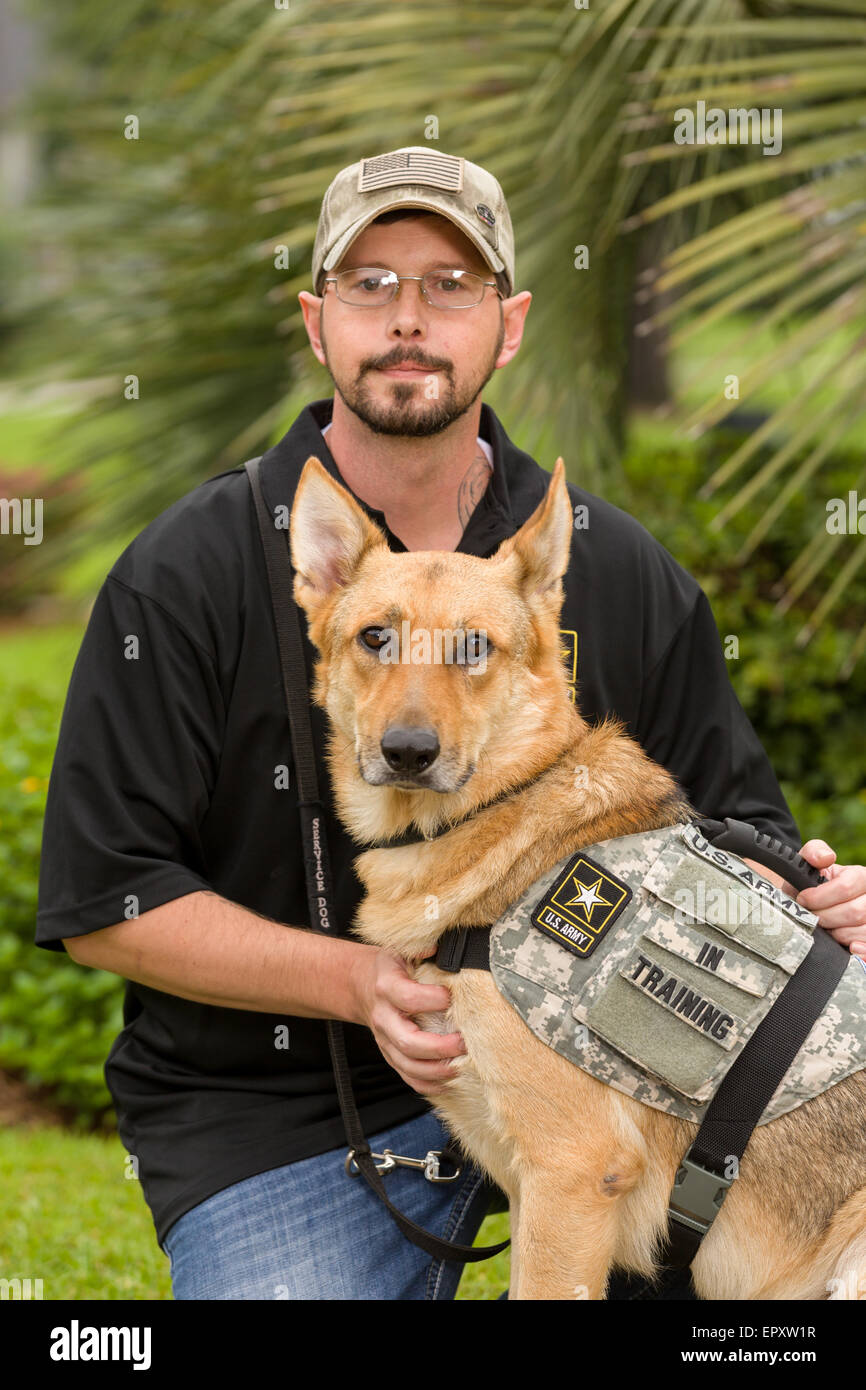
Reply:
x=811, y=722
x=57, y=1019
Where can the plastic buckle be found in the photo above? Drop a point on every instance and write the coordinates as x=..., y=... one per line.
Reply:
x=697, y=1195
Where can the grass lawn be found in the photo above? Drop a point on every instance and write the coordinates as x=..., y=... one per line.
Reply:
x=40, y=656
x=70, y=1217
x=489, y=1278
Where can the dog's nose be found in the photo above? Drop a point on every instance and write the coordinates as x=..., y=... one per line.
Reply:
x=408, y=749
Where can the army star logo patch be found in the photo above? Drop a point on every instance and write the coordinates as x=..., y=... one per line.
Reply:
x=581, y=905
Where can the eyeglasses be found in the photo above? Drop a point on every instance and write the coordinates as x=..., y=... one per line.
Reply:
x=369, y=287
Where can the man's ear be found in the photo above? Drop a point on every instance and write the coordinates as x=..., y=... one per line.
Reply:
x=328, y=533
x=541, y=548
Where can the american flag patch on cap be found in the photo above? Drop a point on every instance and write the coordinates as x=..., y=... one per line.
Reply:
x=411, y=166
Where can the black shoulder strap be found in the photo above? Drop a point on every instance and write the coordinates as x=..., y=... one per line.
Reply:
x=317, y=866
x=703, y=1179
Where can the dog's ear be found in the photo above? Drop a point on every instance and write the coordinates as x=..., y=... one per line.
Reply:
x=542, y=545
x=329, y=533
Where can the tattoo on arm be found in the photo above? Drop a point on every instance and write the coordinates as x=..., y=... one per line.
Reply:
x=472, y=486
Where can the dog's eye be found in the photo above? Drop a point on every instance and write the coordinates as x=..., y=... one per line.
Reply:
x=373, y=638
x=478, y=647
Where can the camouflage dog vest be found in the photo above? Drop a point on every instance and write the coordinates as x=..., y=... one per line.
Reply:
x=649, y=960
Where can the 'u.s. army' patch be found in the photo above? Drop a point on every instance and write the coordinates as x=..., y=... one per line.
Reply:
x=581, y=905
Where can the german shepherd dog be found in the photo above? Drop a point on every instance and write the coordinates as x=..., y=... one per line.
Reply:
x=588, y=1170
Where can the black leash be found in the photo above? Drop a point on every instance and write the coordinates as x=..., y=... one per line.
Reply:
x=317, y=870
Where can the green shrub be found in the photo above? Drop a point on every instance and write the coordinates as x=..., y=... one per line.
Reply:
x=811, y=722
x=57, y=1019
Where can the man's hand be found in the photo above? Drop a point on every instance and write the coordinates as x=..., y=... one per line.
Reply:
x=839, y=902
x=388, y=996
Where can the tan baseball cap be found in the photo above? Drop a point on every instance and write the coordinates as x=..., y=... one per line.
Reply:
x=415, y=176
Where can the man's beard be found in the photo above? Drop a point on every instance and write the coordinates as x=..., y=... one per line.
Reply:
x=407, y=411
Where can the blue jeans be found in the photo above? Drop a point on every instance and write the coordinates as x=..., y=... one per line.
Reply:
x=309, y=1231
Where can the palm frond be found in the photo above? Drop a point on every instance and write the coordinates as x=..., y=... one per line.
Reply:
x=796, y=257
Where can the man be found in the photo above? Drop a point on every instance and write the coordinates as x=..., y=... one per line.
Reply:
x=171, y=851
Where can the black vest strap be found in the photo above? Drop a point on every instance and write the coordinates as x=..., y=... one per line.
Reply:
x=317, y=867
x=704, y=1176
x=464, y=948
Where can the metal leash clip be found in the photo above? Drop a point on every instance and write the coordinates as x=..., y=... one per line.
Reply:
x=429, y=1164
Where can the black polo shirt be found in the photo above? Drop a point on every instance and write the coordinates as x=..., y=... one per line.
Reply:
x=164, y=783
